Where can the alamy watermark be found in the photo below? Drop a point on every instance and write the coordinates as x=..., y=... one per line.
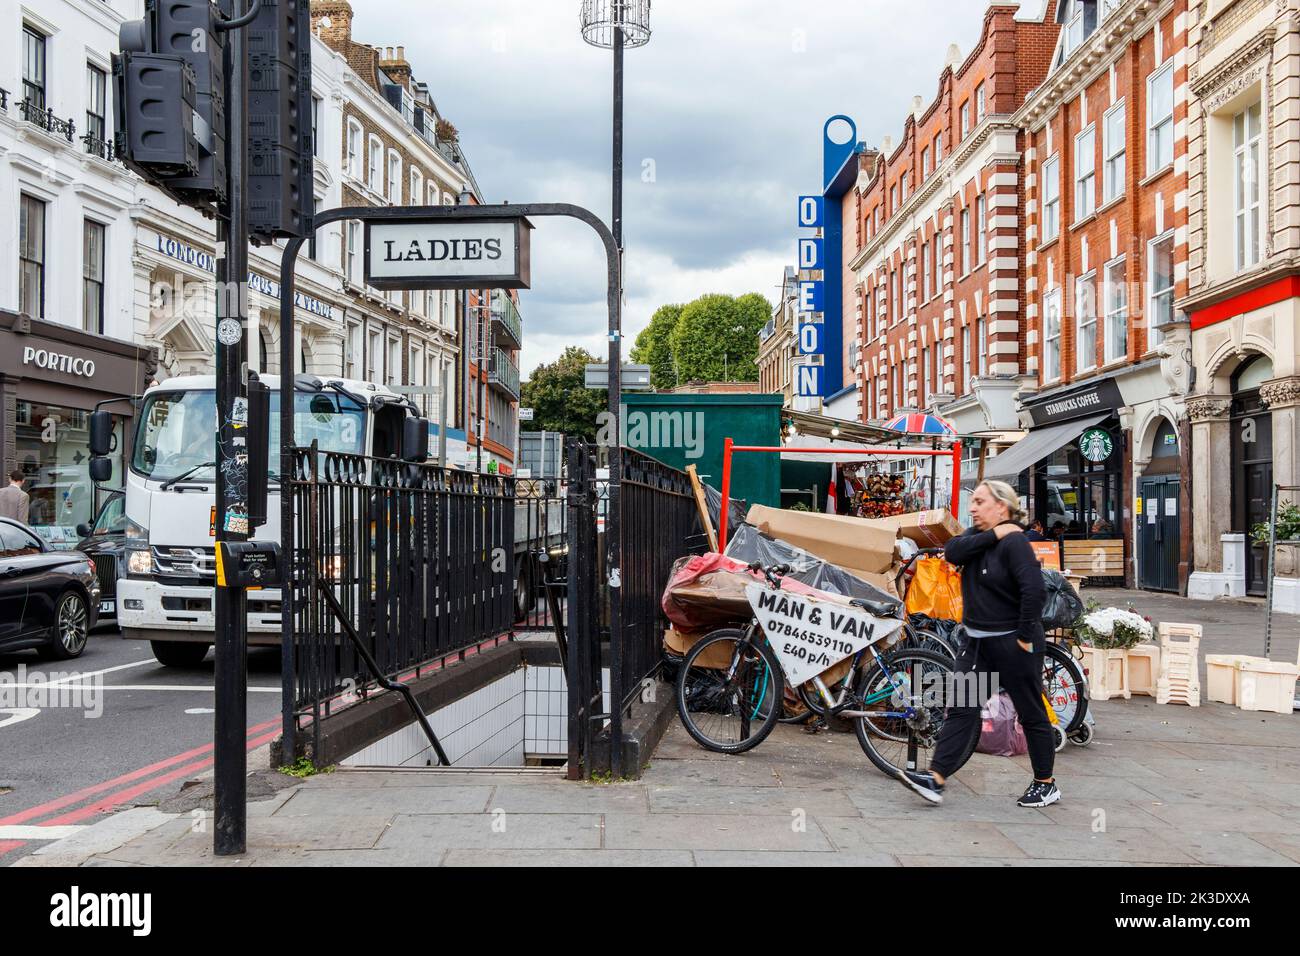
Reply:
x=35, y=690
x=679, y=430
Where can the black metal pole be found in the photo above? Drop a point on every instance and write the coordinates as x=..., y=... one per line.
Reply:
x=230, y=753
x=613, y=527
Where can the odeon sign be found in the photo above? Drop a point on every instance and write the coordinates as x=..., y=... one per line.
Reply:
x=58, y=361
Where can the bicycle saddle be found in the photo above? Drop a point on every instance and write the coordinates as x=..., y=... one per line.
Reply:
x=878, y=608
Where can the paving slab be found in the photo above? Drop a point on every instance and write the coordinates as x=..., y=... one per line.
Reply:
x=1079, y=845
x=920, y=837
x=704, y=831
x=579, y=858
x=489, y=831
x=361, y=801
x=766, y=801
x=780, y=859
x=570, y=797
x=1224, y=847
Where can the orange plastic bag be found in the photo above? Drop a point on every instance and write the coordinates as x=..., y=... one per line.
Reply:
x=935, y=590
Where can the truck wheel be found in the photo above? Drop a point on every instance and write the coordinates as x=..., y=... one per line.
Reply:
x=179, y=653
x=523, y=588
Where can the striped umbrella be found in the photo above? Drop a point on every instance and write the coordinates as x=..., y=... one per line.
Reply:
x=916, y=423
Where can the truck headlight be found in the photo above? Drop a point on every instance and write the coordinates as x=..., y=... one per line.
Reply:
x=139, y=562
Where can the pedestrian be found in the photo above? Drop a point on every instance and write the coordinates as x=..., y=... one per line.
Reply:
x=14, y=502
x=1035, y=531
x=1002, y=596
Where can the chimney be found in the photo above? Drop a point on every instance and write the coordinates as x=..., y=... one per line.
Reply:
x=395, y=65
x=331, y=20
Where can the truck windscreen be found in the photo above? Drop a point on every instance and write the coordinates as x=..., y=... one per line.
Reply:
x=176, y=431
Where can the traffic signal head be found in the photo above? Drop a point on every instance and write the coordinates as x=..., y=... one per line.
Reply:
x=155, y=98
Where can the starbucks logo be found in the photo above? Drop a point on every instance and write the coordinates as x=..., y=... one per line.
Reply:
x=1096, y=445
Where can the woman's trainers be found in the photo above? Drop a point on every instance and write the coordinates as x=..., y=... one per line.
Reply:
x=924, y=784
x=1040, y=795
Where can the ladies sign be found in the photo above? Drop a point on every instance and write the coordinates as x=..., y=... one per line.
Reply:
x=448, y=254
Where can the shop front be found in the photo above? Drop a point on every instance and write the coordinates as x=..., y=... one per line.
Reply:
x=52, y=377
x=1069, y=470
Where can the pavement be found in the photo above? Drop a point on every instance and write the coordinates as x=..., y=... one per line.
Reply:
x=1161, y=785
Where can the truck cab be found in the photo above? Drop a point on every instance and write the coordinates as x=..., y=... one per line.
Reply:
x=165, y=594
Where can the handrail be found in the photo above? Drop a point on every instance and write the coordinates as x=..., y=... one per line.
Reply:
x=337, y=610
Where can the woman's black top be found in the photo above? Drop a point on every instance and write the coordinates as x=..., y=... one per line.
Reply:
x=1001, y=584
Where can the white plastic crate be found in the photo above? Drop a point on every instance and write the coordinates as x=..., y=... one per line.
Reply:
x=1266, y=685
x=1179, y=681
x=1108, y=674
x=1143, y=669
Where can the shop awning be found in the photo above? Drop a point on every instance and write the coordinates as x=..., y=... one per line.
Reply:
x=1036, y=446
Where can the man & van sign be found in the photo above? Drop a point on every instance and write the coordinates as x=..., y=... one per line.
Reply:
x=448, y=254
x=808, y=635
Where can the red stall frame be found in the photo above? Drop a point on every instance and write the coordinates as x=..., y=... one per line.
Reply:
x=728, y=447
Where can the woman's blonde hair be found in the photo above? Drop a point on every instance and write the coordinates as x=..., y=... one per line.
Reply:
x=1005, y=494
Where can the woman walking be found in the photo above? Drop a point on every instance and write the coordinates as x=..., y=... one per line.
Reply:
x=1002, y=605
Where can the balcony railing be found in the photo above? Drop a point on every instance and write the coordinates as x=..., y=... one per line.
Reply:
x=46, y=120
x=503, y=373
x=103, y=148
x=507, y=326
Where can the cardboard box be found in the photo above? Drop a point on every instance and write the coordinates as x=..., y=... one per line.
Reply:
x=929, y=529
x=855, y=544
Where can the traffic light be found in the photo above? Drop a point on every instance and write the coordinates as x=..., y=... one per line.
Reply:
x=170, y=118
x=280, y=193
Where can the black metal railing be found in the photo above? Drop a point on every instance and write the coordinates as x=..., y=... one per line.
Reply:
x=46, y=120
x=416, y=558
x=541, y=550
x=584, y=672
x=96, y=146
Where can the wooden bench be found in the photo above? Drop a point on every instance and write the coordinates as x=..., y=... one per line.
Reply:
x=1096, y=557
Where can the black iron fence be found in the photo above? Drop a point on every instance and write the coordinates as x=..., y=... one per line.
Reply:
x=417, y=559
x=541, y=551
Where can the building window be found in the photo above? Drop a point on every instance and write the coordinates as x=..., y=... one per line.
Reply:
x=394, y=178
x=1085, y=174
x=1052, y=336
x=966, y=240
x=375, y=166
x=394, y=376
x=1115, y=145
x=34, y=67
x=1116, y=298
x=894, y=311
x=925, y=375
x=315, y=125
x=1051, y=199
x=903, y=183
x=31, y=257
x=92, y=278
x=352, y=352
x=1160, y=310
x=351, y=248
x=925, y=271
x=1160, y=118
x=1246, y=204
x=979, y=102
x=893, y=199
x=965, y=119
x=938, y=149
x=374, y=355
x=1085, y=308
x=925, y=161
x=354, y=149
x=965, y=357
x=1074, y=27
x=96, y=104
x=982, y=230
x=982, y=329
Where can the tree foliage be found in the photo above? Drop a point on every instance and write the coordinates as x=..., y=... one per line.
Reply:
x=654, y=346
x=716, y=337
x=560, y=400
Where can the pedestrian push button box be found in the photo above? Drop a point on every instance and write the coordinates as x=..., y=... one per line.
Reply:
x=248, y=564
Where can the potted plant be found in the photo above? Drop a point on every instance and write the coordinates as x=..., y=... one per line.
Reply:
x=1108, y=634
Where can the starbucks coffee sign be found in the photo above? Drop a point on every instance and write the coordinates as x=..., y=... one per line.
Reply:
x=448, y=254
x=1096, y=445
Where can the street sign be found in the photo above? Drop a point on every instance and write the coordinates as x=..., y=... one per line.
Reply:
x=635, y=378
x=525, y=414
x=448, y=253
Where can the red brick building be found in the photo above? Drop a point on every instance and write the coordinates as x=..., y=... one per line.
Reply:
x=934, y=259
x=1106, y=259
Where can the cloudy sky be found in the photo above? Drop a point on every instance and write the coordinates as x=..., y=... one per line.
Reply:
x=724, y=109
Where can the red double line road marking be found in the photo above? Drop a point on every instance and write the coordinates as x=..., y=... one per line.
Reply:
x=127, y=782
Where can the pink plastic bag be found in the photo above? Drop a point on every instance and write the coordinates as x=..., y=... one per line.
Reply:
x=1001, y=733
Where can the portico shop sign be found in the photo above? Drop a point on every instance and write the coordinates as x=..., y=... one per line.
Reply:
x=448, y=254
x=808, y=635
x=58, y=361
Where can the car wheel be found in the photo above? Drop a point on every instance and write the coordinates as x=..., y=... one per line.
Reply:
x=179, y=653
x=71, y=628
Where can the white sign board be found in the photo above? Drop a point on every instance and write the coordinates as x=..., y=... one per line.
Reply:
x=525, y=414
x=809, y=635
x=448, y=254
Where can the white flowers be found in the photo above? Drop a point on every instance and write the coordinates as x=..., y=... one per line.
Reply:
x=1105, y=621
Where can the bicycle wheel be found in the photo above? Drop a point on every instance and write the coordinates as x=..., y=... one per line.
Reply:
x=913, y=678
x=1065, y=687
x=729, y=714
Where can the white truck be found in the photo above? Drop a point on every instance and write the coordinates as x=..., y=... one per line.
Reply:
x=165, y=589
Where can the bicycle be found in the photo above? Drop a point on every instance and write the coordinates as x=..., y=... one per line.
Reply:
x=731, y=683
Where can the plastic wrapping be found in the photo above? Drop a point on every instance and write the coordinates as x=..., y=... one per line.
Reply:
x=736, y=511
x=1001, y=734
x=1062, y=607
x=749, y=544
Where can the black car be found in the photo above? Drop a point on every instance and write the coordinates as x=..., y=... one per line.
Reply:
x=105, y=543
x=49, y=599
